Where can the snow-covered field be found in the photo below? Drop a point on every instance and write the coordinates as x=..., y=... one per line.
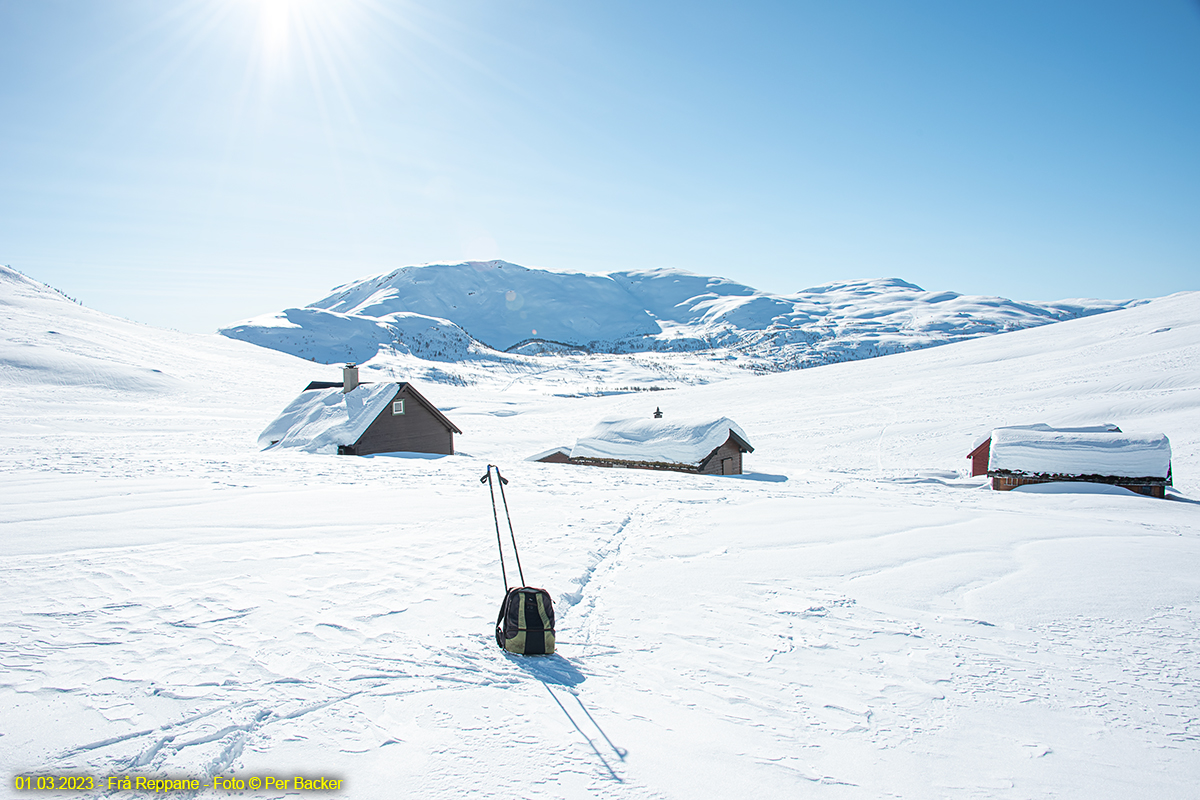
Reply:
x=853, y=619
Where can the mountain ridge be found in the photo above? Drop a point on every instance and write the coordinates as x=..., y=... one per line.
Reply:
x=481, y=309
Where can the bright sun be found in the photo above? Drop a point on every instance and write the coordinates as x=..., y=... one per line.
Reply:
x=283, y=25
x=274, y=28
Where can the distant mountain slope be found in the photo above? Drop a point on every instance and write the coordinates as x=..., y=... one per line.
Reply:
x=47, y=340
x=499, y=303
x=50, y=340
x=451, y=312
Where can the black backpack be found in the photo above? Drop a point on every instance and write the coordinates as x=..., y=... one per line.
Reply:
x=526, y=622
x=525, y=625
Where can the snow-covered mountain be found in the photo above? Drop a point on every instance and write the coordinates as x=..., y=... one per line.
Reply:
x=853, y=619
x=456, y=312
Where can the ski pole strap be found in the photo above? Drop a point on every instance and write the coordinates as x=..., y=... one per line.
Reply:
x=487, y=476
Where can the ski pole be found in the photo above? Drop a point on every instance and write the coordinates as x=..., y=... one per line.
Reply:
x=513, y=535
x=487, y=478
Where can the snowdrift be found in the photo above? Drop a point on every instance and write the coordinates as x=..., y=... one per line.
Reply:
x=179, y=604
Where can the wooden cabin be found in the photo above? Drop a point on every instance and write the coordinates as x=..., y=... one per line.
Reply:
x=979, y=455
x=556, y=455
x=1024, y=456
x=352, y=418
x=700, y=446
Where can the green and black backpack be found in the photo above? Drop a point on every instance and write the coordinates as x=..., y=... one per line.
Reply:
x=525, y=625
x=526, y=622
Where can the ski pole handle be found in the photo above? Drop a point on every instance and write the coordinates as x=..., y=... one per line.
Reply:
x=491, y=467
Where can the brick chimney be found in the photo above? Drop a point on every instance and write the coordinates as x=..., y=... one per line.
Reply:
x=349, y=377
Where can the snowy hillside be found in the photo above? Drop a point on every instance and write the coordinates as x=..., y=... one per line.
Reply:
x=499, y=303
x=47, y=340
x=851, y=619
x=454, y=312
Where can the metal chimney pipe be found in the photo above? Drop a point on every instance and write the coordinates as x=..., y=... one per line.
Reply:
x=349, y=378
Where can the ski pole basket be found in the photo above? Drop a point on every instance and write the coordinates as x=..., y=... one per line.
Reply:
x=525, y=625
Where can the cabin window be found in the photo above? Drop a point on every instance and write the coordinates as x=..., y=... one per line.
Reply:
x=398, y=408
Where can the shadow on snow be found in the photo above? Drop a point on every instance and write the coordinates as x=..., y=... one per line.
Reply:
x=759, y=476
x=557, y=671
x=551, y=670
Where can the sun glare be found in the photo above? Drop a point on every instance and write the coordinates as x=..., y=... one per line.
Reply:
x=274, y=22
x=285, y=26
x=282, y=27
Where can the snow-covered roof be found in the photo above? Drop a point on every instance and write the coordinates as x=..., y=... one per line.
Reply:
x=566, y=451
x=319, y=420
x=1103, y=427
x=1032, y=451
x=670, y=441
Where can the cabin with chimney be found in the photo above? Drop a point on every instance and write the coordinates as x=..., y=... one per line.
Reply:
x=1026, y=455
x=353, y=418
x=704, y=446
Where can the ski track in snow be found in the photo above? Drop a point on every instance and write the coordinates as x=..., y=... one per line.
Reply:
x=248, y=675
x=853, y=619
x=216, y=658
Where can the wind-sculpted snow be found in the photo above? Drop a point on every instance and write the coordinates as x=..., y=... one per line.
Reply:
x=458, y=312
x=852, y=619
x=50, y=341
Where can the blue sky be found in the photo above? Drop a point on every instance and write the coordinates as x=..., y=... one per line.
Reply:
x=192, y=163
